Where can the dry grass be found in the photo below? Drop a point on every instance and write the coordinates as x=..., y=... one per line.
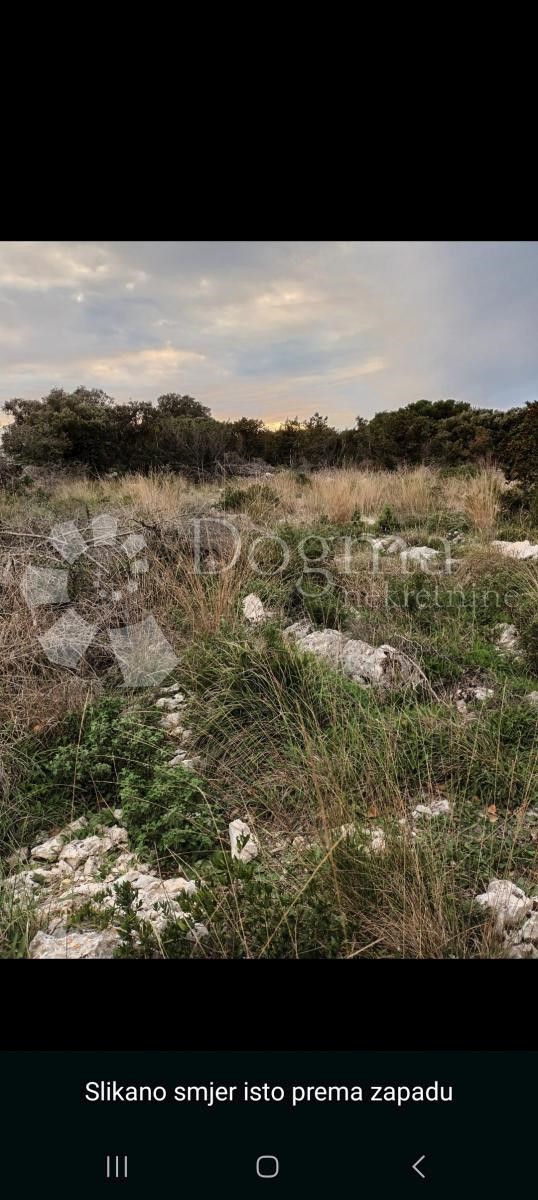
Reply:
x=478, y=497
x=341, y=494
x=412, y=494
x=159, y=494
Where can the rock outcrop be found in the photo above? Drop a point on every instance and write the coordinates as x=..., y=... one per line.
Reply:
x=381, y=666
x=522, y=550
x=64, y=875
x=516, y=917
x=253, y=610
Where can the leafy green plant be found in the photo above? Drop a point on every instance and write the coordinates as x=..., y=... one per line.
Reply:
x=112, y=758
x=387, y=522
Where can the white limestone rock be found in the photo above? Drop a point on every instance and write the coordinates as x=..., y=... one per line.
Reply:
x=172, y=723
x=420, y=556
x=521, y=550
x=508, y=638
x=325, y=643
x=436, y=808
x=198, y=932
x=298, y=630
x=529, y=931
x=389, y=544
x=508, y=902
x=75, y=944
x=382, y=666
x=479, y=694
x=48, y=851
x=253, y=610
x=170, y=703
x=243, y=843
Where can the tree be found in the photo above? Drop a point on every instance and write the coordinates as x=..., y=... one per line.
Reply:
x=174, y=405
x=519, y=444
x=64, y=428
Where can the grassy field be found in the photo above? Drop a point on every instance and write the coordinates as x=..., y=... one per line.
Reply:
x=312, y=761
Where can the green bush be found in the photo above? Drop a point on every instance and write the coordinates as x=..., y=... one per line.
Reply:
x=387, y=521
x=112, y=759
x=258, y=495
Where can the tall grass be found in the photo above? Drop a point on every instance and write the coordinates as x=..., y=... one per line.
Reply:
x=412, y=493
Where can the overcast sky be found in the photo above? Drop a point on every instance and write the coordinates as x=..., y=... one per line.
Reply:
x=273, y=329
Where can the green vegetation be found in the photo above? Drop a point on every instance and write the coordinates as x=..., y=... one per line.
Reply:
x=104, y=759
x=86, y=429
x=315, y=763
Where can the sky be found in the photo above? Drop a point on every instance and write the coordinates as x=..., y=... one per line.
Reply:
x=273, y=329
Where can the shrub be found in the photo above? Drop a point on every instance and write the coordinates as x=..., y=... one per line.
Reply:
x=113, y=758
x=387, y=521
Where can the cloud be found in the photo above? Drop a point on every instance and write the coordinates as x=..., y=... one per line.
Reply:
x=272, y=329
x=154, y=363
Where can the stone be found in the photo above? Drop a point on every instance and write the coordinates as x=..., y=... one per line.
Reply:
x=22, y=887
x=522, y=550
x=90, y=867
x=507, y=901
x=116, y=835
x=529, y=931
x=48, y=851
x=420, y=556
x=372, y=841
x=523, y=950
x=244, y=845
x=377, y=841
x=298, y=630
x=19, y=857
x=508, y=638
x=173, y=690
x=198, y=932
x=475, y=693
x=75, y=853
x=77, y=826
x=382, y=665
x=181, y=759
x=58, y=889
x=170, y=703
x=76, y=944
x=253, y=610
x=172, y=723
x=327, y=644
x=389, y=544
x=436, y=808
x=157, y=899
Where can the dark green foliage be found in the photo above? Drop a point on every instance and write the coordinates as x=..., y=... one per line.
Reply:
x=254, y=913
x=529, y=641
x=168, y=813
x=13, y=479
x=137, y=939
x=109, y=759
x=84, y=428
x=249, y=499
x=519, y=447
x=387, y=521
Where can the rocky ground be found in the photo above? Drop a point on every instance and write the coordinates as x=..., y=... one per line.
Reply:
x=349, y=773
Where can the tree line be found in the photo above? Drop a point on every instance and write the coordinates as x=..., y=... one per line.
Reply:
x=86, y=429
